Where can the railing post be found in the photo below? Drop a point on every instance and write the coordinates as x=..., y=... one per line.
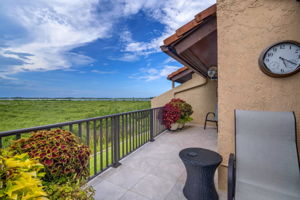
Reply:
x=151, y=126
x=116, y=141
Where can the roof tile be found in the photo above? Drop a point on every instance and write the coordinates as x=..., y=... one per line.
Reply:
x=182, y=69
x=192, y=24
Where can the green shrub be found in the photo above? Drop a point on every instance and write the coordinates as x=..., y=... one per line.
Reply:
x=69, y=191
x=64, y=157
x=65, y=160
x=20, y=177
x=185, y=110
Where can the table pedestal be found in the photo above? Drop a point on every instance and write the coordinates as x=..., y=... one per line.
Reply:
x=200, y=165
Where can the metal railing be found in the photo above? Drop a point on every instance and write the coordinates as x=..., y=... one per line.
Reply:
x=110, y=138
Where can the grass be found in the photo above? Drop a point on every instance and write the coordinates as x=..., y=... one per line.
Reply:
x=104, y=157
x=24, y=114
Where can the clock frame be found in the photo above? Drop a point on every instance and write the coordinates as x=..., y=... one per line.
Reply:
x=266, y=70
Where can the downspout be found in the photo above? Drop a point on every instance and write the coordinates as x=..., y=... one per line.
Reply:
x=196, y=86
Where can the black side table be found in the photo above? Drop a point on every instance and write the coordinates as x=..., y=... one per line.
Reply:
x=200, y=165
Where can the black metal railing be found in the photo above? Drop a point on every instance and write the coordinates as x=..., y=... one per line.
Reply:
x=110, y=137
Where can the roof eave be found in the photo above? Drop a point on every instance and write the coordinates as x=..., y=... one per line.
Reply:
x=172, y=52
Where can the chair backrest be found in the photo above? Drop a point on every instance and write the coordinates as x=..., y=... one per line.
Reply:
x=216, y=113
x=266, y=150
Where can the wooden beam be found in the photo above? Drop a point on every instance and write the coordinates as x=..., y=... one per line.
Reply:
x=181, y=75
x=180, y=59
x=195, y=62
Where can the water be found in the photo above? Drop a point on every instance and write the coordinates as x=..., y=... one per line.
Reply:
x=77, y=99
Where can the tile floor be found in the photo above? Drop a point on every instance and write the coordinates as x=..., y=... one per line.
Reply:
x=155, y=171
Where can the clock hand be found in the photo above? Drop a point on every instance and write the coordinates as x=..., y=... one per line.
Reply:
x=283, y=61
x=291, y=62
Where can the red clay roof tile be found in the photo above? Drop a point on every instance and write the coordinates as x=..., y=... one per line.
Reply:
x=212, y=10
x=182, y=69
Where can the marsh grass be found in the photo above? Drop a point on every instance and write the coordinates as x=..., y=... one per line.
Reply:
x=24, y=114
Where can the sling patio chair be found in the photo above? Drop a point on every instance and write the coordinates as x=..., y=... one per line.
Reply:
x=266, y=161
x=213, y=119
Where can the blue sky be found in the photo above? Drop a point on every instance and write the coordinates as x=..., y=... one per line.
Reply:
x=90, y=48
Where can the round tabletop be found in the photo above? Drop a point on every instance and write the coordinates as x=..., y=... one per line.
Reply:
x=200, y=157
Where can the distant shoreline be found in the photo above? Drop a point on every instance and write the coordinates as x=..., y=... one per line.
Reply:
x=74, y=99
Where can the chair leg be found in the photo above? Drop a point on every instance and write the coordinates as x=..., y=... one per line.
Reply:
x=217, y=127
x=205, y=124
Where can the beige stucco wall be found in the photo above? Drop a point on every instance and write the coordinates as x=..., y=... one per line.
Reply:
x=245, y=28
x=202, y=99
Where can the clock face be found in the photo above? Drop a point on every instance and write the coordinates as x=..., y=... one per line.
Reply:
x=281, y=59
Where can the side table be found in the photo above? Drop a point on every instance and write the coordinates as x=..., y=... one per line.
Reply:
x=200, y=165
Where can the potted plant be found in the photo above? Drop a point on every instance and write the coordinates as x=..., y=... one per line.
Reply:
x=176, y=113
x=185, y=111
x=182, y=121
x=171, y=114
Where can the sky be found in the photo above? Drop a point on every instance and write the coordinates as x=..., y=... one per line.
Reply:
x=90, y=48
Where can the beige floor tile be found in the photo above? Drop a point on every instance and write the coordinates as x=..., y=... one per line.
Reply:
x=143, y=163
x=126, y=177
x=95, y=181
x=153, y=187
x=133, y=196
x=155, y=171
x=108, y=191
x=176, y=193
x=168, y=169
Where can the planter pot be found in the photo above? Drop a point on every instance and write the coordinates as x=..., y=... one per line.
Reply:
x=174, y=126
x=181, y=125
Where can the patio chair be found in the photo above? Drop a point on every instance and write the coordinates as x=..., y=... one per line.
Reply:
x=213, y=119
x=266, y=162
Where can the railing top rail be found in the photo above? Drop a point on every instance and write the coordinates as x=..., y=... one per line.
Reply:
x=26, y=130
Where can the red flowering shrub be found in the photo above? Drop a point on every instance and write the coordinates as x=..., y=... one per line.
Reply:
x=177, y=110
x=63, y=156
x=185, y=108
x=171, y=114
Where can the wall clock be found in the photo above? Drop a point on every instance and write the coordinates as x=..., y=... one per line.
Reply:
x=281, y=59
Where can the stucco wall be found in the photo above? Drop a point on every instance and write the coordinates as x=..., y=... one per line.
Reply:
x=202, y=99
x=245, y=28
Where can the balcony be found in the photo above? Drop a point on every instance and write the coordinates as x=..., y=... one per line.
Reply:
x=155, y=170
x=132, y=156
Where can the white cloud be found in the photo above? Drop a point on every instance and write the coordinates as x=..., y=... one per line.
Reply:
x=150, y=74
x=171, y=13
x=169, y=60
x=103, y=72
x=78, y=59
x=53, y=28
x=127, y=57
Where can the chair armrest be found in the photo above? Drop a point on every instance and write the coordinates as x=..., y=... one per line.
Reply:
x=231, y=177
